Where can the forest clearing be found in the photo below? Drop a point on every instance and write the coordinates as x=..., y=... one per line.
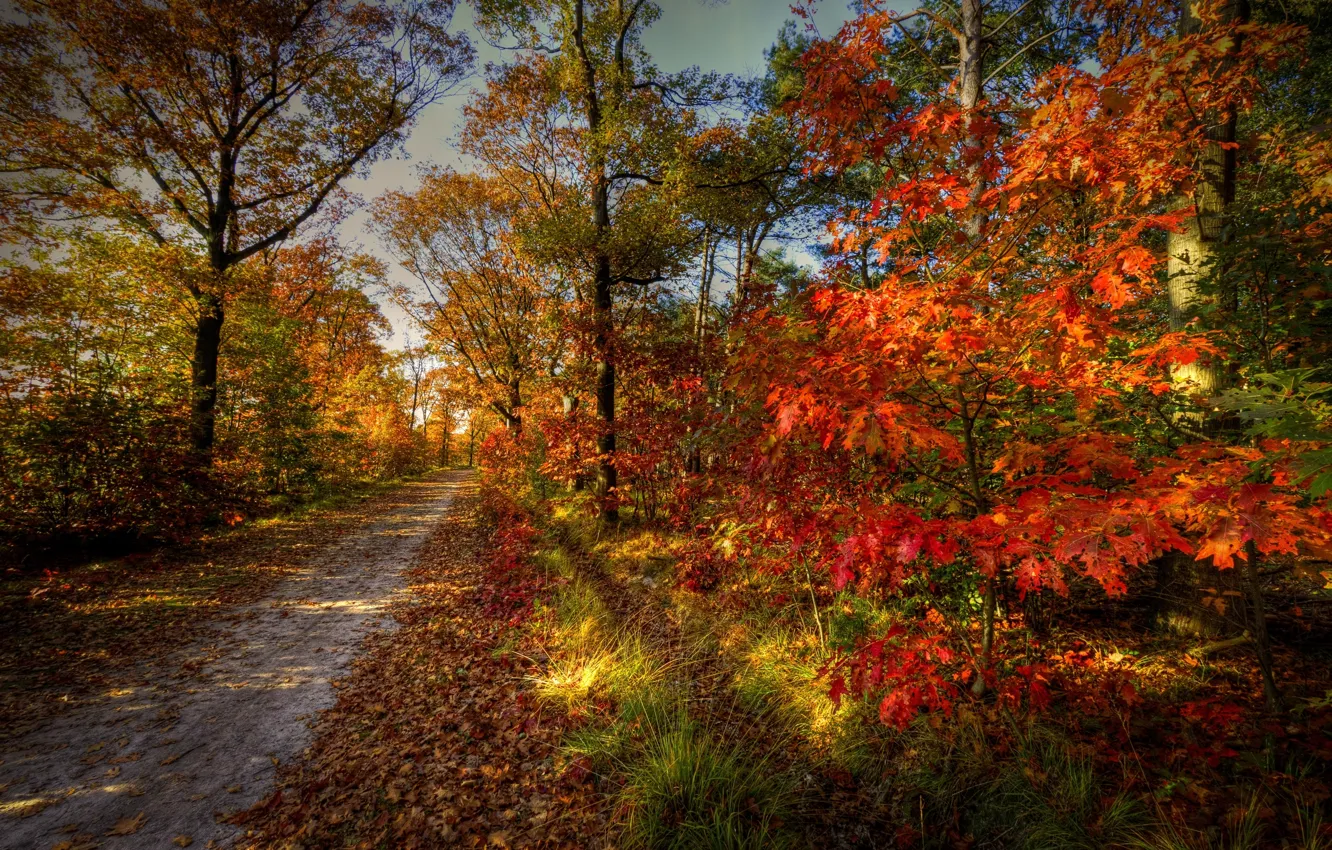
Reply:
x=615, y=423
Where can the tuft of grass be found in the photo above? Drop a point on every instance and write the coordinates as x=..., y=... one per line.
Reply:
x=595, y=660
x=776, y=676
x=554, y=561
x=1039, y=796
x=688, y=791
x=1313, y=831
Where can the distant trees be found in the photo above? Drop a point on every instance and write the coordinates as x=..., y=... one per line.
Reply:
x=94, y=364
x=489, y=308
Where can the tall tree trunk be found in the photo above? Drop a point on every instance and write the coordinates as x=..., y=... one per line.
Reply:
x=223, y=241
x=1191, y=252
x=694, y=462
x=603, y=298
x=203, y=375
x=704, y=293
x=740, y=293
x=603, y=310
x=1191, y=255
x=970, y=79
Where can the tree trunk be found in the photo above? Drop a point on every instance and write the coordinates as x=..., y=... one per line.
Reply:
x=970, y=78
x=1191, y=252
x=602, y=282
x=704, y=293
x=988, y=610
x=570, y=404
x=740, y=265
x=1261, y=644
x=694, y=461
x=606, y=472
x=1184, y=606
x=513, y=420
x=203, y=375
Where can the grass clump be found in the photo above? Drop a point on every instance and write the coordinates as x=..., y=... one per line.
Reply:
x=686, y=790
x=1040, y=794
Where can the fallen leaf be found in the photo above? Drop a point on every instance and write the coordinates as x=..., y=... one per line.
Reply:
x=129, y=826
x=182, y=841
x=33, y=807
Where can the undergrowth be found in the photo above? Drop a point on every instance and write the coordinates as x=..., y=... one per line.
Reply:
x=708, y=724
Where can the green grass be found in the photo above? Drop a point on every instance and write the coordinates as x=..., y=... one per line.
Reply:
x=1005, y=782
x=673, y=784
x=1040, y=794
x=688, y=791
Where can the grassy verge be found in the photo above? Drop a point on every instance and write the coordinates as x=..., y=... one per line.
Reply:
x=654, y=726
x=705, y=722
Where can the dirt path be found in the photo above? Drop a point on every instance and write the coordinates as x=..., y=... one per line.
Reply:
x=154, y=764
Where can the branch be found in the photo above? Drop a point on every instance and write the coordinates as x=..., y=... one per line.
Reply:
x=911, y=39
x=1029, y=45
x=640, y=281
x=734, y=184
x=1011, y=16
x=630, y=175
x=1220, y=646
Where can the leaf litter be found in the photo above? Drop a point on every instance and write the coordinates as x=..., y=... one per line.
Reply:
x=434, y=739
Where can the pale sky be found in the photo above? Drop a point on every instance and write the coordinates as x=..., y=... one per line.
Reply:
x=729, y=37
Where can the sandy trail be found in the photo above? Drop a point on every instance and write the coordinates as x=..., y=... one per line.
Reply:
x=202, y=731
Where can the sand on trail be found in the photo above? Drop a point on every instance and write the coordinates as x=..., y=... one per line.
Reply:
x=198, y=735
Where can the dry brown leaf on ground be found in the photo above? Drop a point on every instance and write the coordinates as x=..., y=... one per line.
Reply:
x=129, y=826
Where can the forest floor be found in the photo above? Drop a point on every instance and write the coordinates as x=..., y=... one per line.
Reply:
x=433, y=669
x=138, y=714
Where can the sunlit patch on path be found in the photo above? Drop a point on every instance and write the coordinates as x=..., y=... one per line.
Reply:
x=151, y=763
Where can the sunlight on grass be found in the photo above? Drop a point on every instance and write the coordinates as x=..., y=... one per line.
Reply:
x=679, y=787
x=773, y=680
x=554, y=561
x=569, y=682
x=590, y=659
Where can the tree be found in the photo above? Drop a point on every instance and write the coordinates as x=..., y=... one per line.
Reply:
x=972, y=410
x=220, y=126
x=1190, y=249
x=486, y=303
x=602, y=195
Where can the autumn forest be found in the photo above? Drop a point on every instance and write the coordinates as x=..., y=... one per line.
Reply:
x=923, y=439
